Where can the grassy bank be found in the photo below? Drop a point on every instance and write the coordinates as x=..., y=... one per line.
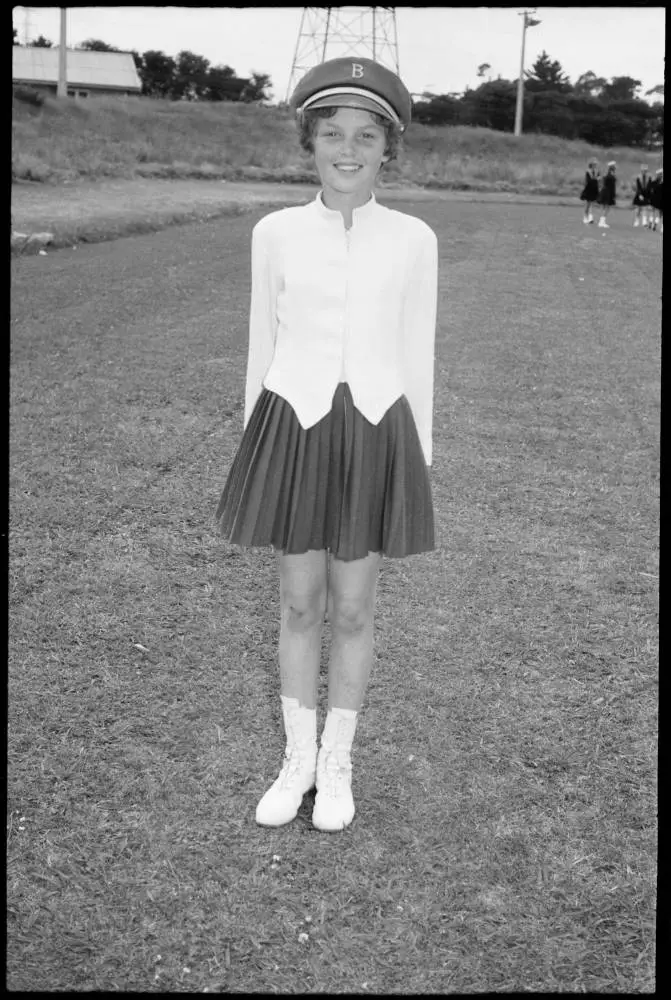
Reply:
x=139, y=138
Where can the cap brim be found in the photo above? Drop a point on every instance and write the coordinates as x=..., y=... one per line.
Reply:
x=351, y=101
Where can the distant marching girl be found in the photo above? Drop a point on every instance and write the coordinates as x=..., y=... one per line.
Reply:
x=641, y=200
x=656, y=197
x=332, y=469
x=590, y=192
x=607, y=194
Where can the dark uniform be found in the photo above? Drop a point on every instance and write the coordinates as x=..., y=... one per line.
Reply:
x=642, y=195
x=656, y=199
x=590, y=192
x=607, y=192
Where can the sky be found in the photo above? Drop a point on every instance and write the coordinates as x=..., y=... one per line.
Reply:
x=439, y=48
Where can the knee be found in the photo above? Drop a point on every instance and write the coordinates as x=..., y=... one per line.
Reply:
x=350, y=617
x=303, y=612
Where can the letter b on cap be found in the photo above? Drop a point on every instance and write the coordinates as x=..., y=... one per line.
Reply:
x=357, y=71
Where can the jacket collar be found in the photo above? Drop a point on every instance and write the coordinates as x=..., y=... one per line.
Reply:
x=358, y=214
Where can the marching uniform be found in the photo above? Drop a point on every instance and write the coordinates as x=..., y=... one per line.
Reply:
x=337, y=428
x=642, y=190
x=656, y=199
x=608, y=186
x=607, y=194
x=590, y=191
x=339, y=389
x=641, y=199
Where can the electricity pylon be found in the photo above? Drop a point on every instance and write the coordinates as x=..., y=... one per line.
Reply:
x=330, y=32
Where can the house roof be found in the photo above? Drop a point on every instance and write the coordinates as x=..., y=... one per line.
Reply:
x=83, y=68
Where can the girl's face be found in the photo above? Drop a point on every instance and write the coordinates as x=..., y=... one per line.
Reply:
x=349, y=151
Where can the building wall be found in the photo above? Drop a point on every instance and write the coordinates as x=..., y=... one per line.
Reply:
x=75, y=90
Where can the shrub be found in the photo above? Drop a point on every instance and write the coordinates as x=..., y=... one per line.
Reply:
x=28, y=95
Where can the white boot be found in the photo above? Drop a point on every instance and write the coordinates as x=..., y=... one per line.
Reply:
x=602, y=221
x=282, y=801
x=334, y=805
x=636, y=221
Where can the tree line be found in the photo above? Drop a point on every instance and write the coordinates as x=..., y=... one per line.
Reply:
x=185, y=77
x=602, y=112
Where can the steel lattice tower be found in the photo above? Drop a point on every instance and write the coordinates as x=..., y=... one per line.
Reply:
x=330, y=32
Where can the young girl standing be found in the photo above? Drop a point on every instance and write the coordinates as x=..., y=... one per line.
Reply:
x=641, y=200
x=657, y=200
x=590, y=191
x=607, y=194
x=332, y=467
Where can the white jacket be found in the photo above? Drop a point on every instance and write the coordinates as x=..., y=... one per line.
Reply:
x=331, y=305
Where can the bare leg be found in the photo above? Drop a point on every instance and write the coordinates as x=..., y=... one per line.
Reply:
x=303, y=590
x=351, y=604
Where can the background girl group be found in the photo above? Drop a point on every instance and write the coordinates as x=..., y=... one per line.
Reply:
x=647, y=200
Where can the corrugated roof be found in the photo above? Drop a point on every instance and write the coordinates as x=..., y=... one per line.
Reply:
x=83, y=68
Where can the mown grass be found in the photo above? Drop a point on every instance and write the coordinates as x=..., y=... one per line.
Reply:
x=136, y=137
x=505, y=758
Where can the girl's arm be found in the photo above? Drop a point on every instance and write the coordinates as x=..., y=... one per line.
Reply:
x=420, y=337
x=262, y=318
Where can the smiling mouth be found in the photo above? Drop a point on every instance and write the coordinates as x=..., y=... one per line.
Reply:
x=347, y=168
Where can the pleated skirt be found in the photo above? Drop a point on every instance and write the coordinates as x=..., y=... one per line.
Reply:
x=344, y=484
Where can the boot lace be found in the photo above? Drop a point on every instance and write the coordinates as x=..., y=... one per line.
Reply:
x=335, y=776
x=295, y=759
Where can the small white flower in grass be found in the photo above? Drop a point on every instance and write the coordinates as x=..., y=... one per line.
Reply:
x=186, y=969
x=303, y=937
x=276, y=858
x=411, y=757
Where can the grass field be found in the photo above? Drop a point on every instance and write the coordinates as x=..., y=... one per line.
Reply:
x=504, y=768
x=66, y=141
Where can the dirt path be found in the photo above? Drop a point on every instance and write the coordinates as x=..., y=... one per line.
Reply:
x=103, y=210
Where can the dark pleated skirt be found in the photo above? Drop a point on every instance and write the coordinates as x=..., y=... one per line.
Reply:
x=590, y=192
x=343, y=484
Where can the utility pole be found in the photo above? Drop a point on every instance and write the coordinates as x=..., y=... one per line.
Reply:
x=528, y=22
x=62, y=88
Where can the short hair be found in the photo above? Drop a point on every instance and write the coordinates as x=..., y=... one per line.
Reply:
x=307, y=124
